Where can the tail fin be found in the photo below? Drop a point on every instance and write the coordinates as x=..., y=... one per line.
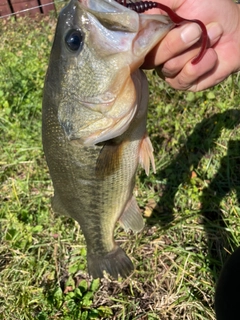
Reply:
x=115, y=263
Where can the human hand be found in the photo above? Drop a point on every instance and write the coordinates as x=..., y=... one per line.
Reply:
x=173, y=55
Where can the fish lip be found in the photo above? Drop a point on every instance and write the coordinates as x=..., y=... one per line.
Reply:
x=98, y=6
x=112, y=14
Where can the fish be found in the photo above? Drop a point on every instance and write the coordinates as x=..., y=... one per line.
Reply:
x=94, y=115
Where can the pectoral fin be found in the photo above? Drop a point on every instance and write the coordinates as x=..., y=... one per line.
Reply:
x=146, y=155
x=132, y=218
x=109, y=159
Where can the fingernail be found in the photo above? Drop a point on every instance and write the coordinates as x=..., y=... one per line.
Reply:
x=214, y=31
x=191, y=33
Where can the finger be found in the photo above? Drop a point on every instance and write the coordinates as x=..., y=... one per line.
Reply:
x=173, y=66
x=173, y=44
x=193, y=77
x=177, y=42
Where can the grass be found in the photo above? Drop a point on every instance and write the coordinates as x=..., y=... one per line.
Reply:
x=191, y=205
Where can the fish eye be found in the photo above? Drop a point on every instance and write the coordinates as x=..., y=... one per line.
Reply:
x=74, y=40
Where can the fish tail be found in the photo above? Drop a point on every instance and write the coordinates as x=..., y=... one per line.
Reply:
x=116, y=263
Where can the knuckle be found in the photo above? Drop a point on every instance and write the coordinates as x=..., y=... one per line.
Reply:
x=183, y=83
x=171, y=67
x=178, y=83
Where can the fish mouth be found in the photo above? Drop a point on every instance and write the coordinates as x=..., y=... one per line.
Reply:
x=149, y=28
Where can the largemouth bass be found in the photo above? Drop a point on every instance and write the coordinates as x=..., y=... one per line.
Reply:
x=94, y=122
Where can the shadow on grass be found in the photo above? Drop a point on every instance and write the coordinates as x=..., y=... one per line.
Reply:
x=226, y=179
x=201, y=143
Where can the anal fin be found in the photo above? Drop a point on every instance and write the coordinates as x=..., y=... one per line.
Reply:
x=131, y=217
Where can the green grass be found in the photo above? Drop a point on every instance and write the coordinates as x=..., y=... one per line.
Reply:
x=191, y=205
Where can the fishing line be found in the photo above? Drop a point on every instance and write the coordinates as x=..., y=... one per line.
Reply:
x=32, y=8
